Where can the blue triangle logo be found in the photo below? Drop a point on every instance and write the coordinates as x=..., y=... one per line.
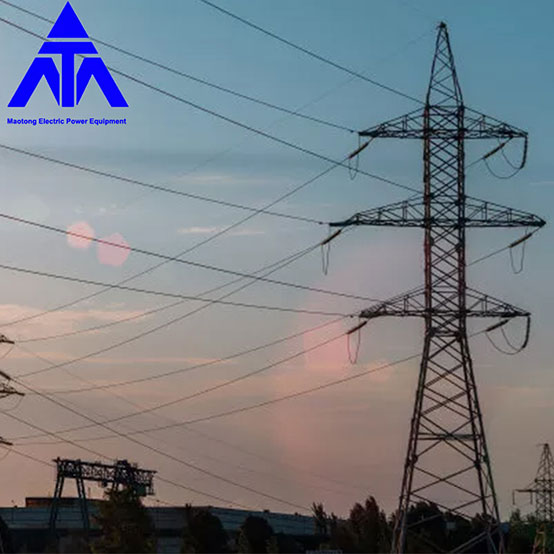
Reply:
x=68, y=25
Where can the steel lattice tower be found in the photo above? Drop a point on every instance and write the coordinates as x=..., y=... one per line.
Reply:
x=541, y=491
x=447, y=461
x=6, y=390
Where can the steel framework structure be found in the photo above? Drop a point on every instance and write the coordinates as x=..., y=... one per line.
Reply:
x=541, y=491
x=6, y=390
x=120, y=474
x=447, y=461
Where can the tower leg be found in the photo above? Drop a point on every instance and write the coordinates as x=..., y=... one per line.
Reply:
x=447, y=465
x=83, y=502
x=54, y=507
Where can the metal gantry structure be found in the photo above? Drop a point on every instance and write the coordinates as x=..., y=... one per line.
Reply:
x=447, y=462
x=541, y=491
x=120, y=474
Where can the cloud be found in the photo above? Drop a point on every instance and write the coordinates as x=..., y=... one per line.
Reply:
x=57, y=322
x=224, y=179
x=198, y=230
x=58, y=356
x=211, y=230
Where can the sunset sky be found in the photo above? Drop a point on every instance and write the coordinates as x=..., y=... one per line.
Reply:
x=336, y=445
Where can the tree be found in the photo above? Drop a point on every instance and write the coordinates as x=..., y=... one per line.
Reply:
x=366, y=529
x=125, y=525
x=429, y=529
x=283, y=544
x=204, y=532
x=5, y=537
x=369, y=527
x=521, y=534
x=321, y=520
x=254, y=535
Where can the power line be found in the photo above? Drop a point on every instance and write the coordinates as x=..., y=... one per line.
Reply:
x=217, y=115
x=13, y=450
x=127, y=436
x=283, y=262
x=296, y=111
x=310, y=53
x=178, y=259
x=163, y=293
x=185, y=369
x=102, y=326
x=226, y=384
x=305, y=105
x=194, y=78
x=141, y=335
x=243, y=409
x=212, y=388
x=144, y=411
x=161, y=188
x=233, y=411
x=182, y=253
x=201, y=243
x=149, y=410
x=98, y=172
x=273, y=268
x=101, y=173
x=46, y=312
x=266, y=459
x=127, y=400
x=103, y=456
x=218, y=459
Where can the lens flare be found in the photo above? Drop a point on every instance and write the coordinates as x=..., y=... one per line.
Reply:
x=109, y=254
x=86, y=233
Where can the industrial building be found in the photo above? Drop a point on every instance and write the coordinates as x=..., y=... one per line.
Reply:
x=29, y=525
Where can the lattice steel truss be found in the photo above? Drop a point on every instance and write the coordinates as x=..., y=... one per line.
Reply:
x=120, y=474
x=6, y=390
x=447, y=462
x=541, y=491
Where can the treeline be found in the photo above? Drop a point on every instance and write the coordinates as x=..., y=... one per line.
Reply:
x=366, y=530
x=124, y=526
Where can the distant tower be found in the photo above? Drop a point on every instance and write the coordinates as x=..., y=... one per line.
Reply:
x=6, y=389
x=542, y=493
x=447, y=462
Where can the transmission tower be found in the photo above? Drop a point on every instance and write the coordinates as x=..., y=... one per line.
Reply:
x=541, y=491
x=5, y=388
x=447, y=462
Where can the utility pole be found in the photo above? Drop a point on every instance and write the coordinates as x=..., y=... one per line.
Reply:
x=447, y=462
x=541, y=491
x=5, y=388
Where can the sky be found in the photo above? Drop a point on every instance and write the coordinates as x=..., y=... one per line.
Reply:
x=336, y=445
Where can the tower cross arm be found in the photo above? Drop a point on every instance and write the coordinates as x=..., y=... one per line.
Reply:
x=411, y=213
x=412, y=304
x=409, y=125
x=476, y=125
